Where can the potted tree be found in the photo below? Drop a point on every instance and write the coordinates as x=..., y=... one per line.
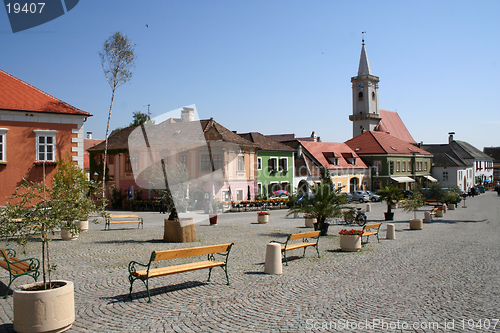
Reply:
x=71, y=197
x=324, y=202
x=39, y=213
x=412, y=204
x=390, y=195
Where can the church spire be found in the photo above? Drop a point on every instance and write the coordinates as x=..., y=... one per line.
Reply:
x=364, y=64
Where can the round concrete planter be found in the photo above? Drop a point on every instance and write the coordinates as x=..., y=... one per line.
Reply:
x=310, y=222
x=452, y=207
x=83, y=225
x=263, y=218
x=350, y=243
x=416, y=224
x=66, y=235
x=50, y=310
x=439, y=213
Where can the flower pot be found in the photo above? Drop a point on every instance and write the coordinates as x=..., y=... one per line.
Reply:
x=310, y=222
x=83, y=225
x=323, y=229
x=350, y=243
x=416, y=224
x=389, y=216
x=67, y=235
x=263, y=218
x=213, y=219
x=452, y=207
x=439, y=213
x=50, y=310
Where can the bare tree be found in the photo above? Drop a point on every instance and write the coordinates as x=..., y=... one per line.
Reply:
x=117, y=59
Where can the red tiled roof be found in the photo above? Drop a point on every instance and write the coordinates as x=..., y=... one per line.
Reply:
x=392, y=123
x=373, y=142
x=321, y=151
x=18, y=95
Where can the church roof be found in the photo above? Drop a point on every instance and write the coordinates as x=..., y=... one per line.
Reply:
x=392, y=123
x=18, y=95
x=373, y=142
x=364, y=64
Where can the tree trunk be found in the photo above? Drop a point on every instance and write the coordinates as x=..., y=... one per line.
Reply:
x=106, y=151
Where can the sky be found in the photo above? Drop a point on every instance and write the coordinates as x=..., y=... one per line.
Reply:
x=275, y=67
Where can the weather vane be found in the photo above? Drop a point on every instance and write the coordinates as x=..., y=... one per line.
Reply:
x=363, y=36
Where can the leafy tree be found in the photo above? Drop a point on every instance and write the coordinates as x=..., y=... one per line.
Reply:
x=117, y=60
x=391, y=195
x=414, y=202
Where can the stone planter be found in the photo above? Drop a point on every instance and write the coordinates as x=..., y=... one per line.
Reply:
x=452, y=207
x=310, y=222
x=439, y=213
x=263, y=218
x=182, y=231
x=416, y=224
x=50, y=310
x=67, y=235
x=83, y=225
x=350, y=243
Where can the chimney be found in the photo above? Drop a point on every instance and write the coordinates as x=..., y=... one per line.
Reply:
x=187, y=114
x=89, y=135
x=314, y=136
x=450, y=138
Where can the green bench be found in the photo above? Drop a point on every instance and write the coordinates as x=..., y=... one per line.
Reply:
x=17, y=267
x=144, y=272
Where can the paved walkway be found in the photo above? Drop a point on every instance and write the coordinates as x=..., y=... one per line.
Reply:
x=445, y=276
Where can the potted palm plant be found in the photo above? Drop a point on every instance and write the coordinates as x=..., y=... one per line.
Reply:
x=390, y=195
x=324, y=202
x=412, y=204
x=39, y=211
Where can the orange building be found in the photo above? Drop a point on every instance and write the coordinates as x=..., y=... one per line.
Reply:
x=35, y=129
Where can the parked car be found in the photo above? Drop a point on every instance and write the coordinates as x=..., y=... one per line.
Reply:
x=481, y=189
x=373, y=197
x=360, y=196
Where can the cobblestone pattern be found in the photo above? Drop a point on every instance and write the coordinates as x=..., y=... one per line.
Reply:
x=445, y=273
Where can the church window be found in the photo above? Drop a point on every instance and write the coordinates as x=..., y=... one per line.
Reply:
x=360, y=96
x=373, y=95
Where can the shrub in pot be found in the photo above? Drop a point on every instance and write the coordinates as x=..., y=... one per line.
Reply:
x=40, y=212
x=412, y=204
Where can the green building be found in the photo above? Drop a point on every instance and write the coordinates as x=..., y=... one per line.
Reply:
x=274, y=165
x=394, y=162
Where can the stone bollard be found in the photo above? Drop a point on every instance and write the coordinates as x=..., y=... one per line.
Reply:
x=427, y=217
x=391, y=231
x=273, y=263
x=368, y=207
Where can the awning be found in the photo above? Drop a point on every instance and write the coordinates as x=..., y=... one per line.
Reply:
x=432, y=179
x=403, y=179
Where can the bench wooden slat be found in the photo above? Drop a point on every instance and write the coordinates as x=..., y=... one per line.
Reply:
x=179, y=268
x=115, y=216
x=367, y=234
x=113, y=222
x=190, y=252
x=309, y=234
x=18, y=267
x=296, y=246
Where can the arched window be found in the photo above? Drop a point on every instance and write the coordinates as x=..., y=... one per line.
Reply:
x=373, y=95
x=360, y=96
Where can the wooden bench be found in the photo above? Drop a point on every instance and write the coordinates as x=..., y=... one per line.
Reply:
x=123, y=218
x=144, y=272
x=17, y=267
x=287, y=246
x=371, y=227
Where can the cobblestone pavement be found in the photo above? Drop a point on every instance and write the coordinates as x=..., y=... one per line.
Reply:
x=440, y=279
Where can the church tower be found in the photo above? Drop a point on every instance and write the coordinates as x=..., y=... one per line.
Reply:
x=365, y=112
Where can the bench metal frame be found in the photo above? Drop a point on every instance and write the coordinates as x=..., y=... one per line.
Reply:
x=304, y=236
x=180, y=253
x=27, y=266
